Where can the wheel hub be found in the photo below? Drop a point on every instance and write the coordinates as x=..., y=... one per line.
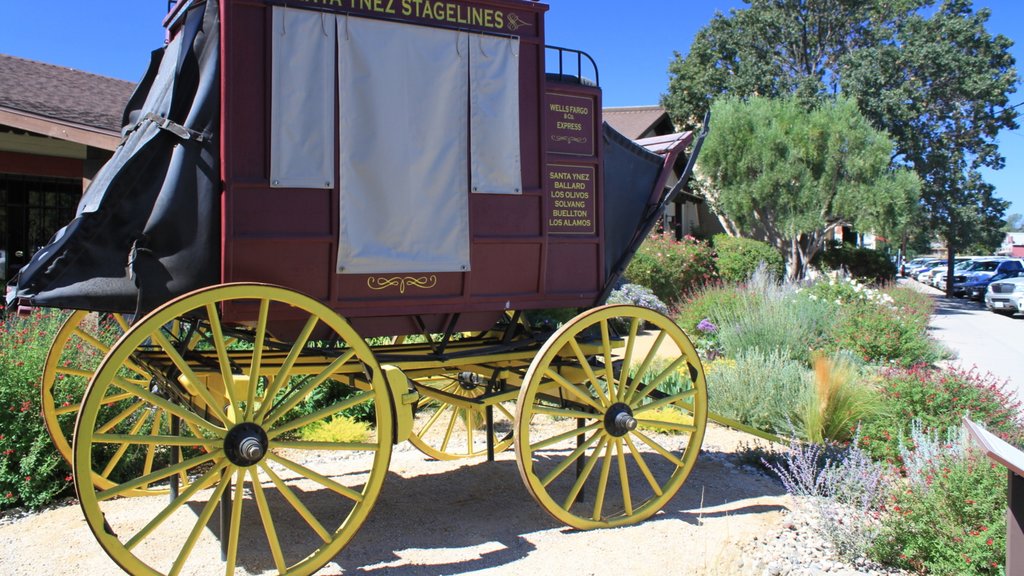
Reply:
x=619, y=420
x=246, y=444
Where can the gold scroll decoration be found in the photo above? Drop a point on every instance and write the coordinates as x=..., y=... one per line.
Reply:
x=402, y=282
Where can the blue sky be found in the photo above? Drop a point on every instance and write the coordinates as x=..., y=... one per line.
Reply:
x=632, y=42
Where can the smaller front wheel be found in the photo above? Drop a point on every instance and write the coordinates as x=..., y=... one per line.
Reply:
x=610, y=417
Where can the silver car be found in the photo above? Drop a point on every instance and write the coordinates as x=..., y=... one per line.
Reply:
x=1006, y=296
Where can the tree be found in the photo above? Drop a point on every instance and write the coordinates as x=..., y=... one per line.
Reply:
x=934, y=79
x=1014, y=223
x=778, y=172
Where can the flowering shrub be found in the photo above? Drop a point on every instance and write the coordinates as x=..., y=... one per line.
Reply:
x=950, y=518
x=31, y=471
x=841, y=290
x=846, y=491
x=637, y=295
x=672, y=268
x=938, y=398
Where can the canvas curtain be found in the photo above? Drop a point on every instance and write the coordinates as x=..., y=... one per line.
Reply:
x=302, y=121
x=494, y=115
x=403, y=93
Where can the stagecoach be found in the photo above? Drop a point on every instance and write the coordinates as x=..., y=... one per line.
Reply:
x=365, y=209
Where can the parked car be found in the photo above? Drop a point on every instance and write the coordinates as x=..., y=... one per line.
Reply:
x=1006, y=296
x=926, y=271
x=910, y=264
x=962, y=266
x=976, y=289
x=985, y=270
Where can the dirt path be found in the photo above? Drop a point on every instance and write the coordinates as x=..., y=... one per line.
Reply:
x=476, y=518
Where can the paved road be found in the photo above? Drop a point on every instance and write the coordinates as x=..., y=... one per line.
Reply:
x=992, y=342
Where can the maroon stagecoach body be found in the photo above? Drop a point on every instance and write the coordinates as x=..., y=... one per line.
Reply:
x=584, y=196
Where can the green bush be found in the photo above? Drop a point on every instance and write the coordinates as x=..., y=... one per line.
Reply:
x=953, y=522
x=672, y=268
x=838, y=402
x=32, y=473
x=738, y=258
x=775, y=318
x=938, y=398
x=759, y=388
x=864, y=263
x=875, y=330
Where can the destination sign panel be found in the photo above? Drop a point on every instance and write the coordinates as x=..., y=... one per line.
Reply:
x=572, y=194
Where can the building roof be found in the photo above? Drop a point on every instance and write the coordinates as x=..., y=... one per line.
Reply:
x=44, y=93
x=639, y=121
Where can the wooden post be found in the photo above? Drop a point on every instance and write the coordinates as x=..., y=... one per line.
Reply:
x=1015, y=526
x=1005, y=454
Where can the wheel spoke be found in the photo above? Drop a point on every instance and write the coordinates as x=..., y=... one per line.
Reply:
x=116, y=458
x=433, y=419
x=154, y=430
x=627, y=359
x=589, y=371
x=639, y=408
x=158, y=475
x=222, y=357
x=659, y=449
x=297, y=504
x=309, y=445
x=204, y=517
x=318, y=478
x=189, y=375
x=653, y=384
x=659, y=425
x=286, y=367
x=564, y=412
x=268, y=522
x=256, y=366
x=174, y=409
x=642, y=465
x=537, y=446
x=119, y=318
x=155, y=440
x=298, y=395
x=602, y=483
x=236, y=523
x=644, y=366
x=609, y=371
x=121, y=416
x=319, y=414
x=573, y=389
x=588, y=467
x=200, y=484
x=627, y=499
x=568, y=460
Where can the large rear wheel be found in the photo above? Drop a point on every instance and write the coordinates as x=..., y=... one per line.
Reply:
x=611, y=417
x=289, y=497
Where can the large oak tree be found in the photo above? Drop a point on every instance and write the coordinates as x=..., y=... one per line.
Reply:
x=929, y=75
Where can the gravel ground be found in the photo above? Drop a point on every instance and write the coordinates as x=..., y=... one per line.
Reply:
x=476, y=518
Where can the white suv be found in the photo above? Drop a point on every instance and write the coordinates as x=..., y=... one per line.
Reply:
x=1006, y=296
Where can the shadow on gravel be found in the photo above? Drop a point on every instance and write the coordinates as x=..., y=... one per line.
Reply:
x=945, y=306
x=479, y=516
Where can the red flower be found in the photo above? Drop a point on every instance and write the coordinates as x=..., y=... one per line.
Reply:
x=989, y=541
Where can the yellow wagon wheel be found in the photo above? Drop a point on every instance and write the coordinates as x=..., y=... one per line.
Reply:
x=452, y=430
x=76, y=352
x=287, y=504
x=81, y=343
x=610, y=417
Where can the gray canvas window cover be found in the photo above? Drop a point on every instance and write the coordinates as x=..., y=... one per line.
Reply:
x=425, y=115
x=147, y=228
x=302, y=99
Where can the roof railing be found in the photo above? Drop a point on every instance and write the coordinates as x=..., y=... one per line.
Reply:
x=560, y=64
